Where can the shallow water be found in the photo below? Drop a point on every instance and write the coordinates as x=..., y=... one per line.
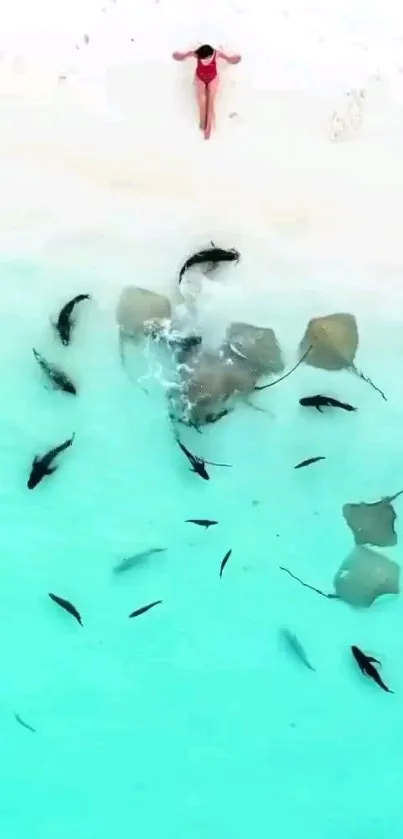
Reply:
x=193, y=718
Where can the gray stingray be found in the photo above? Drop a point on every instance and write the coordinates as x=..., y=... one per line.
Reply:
x=334, y=342
x=140, y=311
x=373, y=524
x=257, y=345
x=208, y=382
x=366, y=575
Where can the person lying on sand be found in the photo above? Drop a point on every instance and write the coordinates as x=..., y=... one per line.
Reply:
x=206, y=81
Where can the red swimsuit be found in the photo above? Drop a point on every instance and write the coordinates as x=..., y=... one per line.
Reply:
x=206, y=72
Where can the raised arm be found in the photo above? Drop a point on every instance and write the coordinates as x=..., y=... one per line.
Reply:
x=232, y=59
x=180, y=56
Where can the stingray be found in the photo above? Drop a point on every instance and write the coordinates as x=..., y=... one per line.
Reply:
x=208, y=383
x=140, y=312
x=362, y=577
x=366, y=575
x=373, y=524
x=258, y=346
x=334, y=342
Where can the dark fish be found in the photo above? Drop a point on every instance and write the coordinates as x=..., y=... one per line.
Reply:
x=202, y=522
x=129, y=561
x=41, y=466
x=57, y=377
x=183, y=345
x=296, y=647
x=24, y=724
x=320, y=402
x=210, y=256
x=144, y=609
x=65, y=604
x=65, y=323
x=224, y=562
x=209, y=419
x=198, y=464
x=366, y=665
x=308, y=462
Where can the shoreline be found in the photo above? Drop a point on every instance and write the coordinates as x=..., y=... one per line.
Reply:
x=271, y=171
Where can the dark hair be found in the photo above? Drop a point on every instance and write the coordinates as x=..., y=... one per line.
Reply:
x=205, y=51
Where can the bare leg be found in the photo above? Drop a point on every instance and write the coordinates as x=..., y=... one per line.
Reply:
x=201, y=101
x=210, y=107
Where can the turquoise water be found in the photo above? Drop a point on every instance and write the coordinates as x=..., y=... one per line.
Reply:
x=193, y=720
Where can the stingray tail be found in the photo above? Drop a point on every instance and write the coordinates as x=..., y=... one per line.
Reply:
x=390, y=498
x=122, y=344
x=370, y=382
x=251, y=404
x=281, y=379
x=312, y=588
